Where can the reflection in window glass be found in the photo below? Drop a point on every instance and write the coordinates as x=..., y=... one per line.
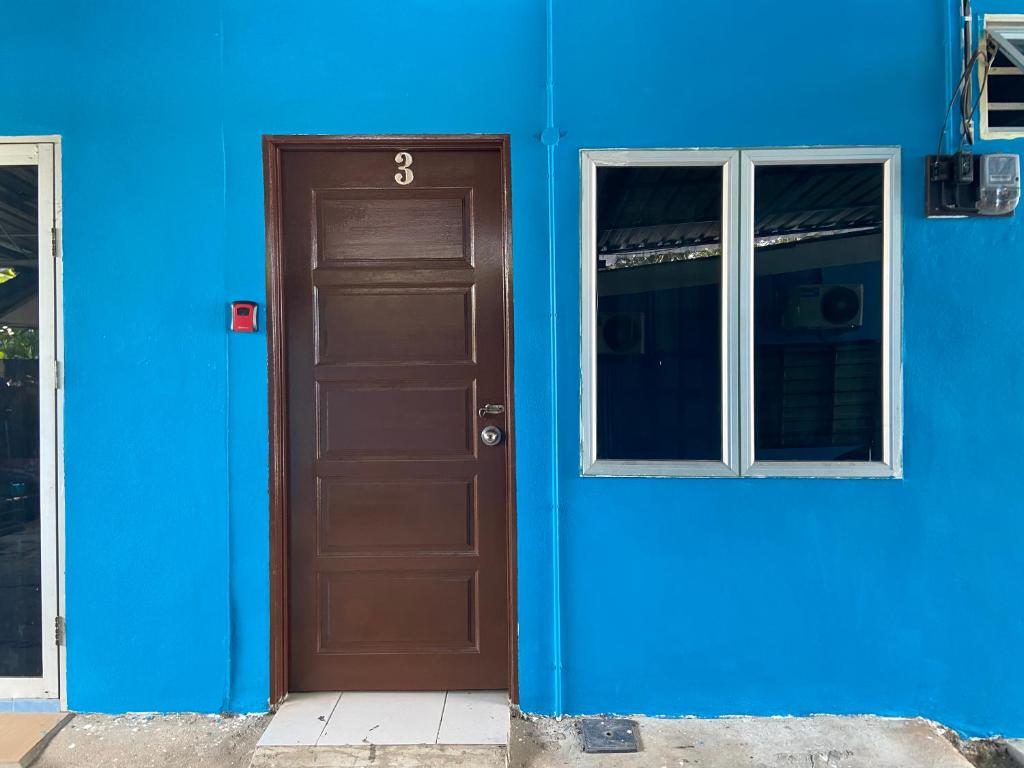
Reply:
x=818, y=312
x=20, y=567
x=658, y=333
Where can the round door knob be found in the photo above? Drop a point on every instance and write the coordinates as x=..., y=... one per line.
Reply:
x=490, y=435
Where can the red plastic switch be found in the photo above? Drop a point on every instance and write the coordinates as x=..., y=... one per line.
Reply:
x=243, y=316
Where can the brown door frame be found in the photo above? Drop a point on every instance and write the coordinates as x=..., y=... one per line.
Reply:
x=273, y=146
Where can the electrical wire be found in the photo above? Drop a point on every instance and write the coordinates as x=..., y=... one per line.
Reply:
x=990, y=52
x=968, y=70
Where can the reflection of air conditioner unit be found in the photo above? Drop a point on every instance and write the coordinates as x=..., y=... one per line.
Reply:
x=620, y=333
x=825, y=306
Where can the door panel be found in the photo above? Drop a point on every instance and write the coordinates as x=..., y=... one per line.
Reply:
x=394, y=330
x=425, y=611
x=395, y=325
x=396, y=420
x=390, y=225
x=367, y=517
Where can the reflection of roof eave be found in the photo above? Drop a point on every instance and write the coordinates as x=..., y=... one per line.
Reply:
x=702, y=234
x=787, y=257
x=696, y=252
x=17, y=291
x=780, y=241
x=659, y=255
x=16, y=259
x=19, y=238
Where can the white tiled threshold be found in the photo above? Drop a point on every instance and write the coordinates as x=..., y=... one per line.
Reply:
x=358, y=718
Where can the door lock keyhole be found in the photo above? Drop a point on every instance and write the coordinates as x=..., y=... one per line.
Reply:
x=491, y=435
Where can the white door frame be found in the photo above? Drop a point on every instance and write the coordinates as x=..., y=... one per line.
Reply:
x=44, y=151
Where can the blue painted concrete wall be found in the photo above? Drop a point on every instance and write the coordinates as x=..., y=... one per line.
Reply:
x=727, y=596
x=162, y=109
x=802, y=596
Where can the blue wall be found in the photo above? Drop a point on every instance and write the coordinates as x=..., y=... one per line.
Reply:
x=730, y=596
x=801, y=596
x=162, y=109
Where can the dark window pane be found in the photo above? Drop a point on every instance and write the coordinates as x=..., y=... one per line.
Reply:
x=659, y=283
x=1006, y=118
x=1002, y=60
x=1018, y=44
x=818, y=312
x=20, y=599
x=1002, y=88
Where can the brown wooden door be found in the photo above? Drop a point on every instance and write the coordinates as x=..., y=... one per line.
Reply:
x=395, y=328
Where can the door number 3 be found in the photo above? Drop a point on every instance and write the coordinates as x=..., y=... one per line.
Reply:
x=404, y=175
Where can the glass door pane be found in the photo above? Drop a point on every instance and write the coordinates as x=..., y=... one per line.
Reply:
x=21, y=653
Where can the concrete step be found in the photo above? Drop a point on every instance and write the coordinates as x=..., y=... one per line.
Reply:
x=372, y=756
x=1013, y=749
x=784, y=742
x=24, y=735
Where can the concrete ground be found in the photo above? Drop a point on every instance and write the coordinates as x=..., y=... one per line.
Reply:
x=154, y=741
x=200, y=741
x=745, y=742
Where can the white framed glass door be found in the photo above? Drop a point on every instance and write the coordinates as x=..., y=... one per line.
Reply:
x=29, y=654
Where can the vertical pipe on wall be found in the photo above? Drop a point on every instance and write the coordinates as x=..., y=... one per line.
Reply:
x=967, y=43
x=955, y=52
x=229, y=635
x=550, y=137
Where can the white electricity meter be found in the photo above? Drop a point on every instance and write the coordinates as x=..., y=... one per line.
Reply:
x=999, y=187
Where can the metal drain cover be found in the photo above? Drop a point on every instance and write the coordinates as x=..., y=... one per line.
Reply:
x=611, y=735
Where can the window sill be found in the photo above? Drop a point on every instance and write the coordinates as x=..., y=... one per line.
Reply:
x=850, y=470
x=847, y=470
x=621, y=468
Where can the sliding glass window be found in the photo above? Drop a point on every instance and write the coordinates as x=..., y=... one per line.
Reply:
x=659, y=273
x=740, y=312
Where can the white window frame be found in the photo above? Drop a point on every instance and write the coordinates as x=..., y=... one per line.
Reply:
x=44, y=152
x=738, y=421
x=891, y=464
x=729, y=161
x=1010, y=25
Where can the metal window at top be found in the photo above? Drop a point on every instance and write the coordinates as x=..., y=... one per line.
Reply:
x=1011, y=44
x=1002, y=80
